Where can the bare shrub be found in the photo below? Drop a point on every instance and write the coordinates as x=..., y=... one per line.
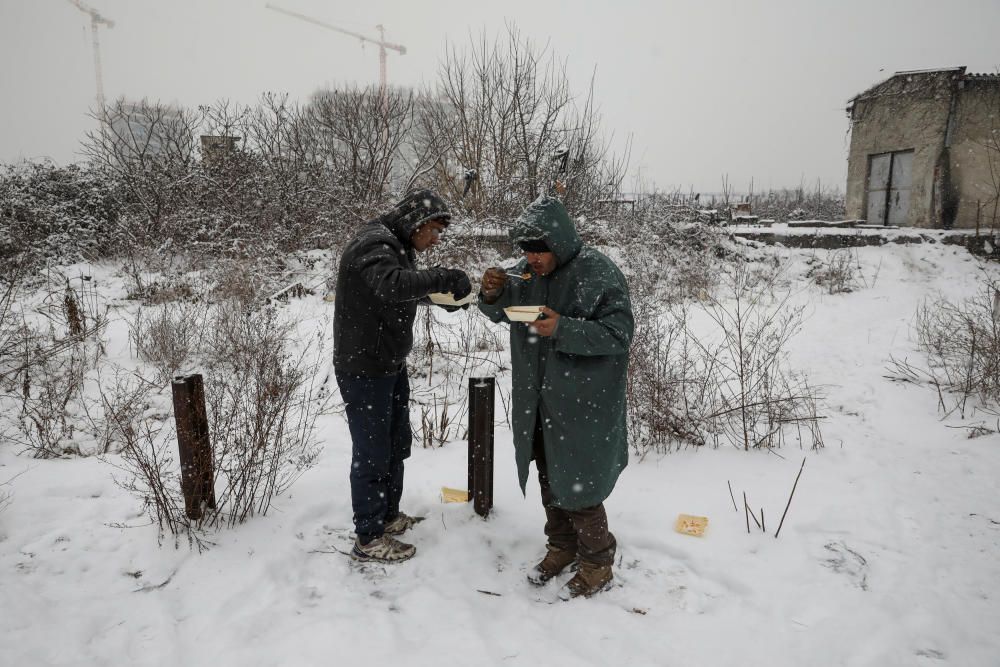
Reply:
x=169, y=336
x=53, y=213
x=961, y=346
x=446, y=353
x=839, y=273
x=730, y=386
x=436, y=423
x=667, y=261
x=12, y=327
x=262, y=410
x=155, y=289
x=465, y=245
x=152, y=474
x=666, y=388
x=115, y=420
x=246, y=282
x=46, y=425
x=72, y=307
x=48, y=368
x=262, y=404
x=758, y=402
x=801, y=203
x=6, y=494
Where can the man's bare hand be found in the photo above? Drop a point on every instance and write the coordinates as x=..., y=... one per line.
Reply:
x=547, y=325
x=494, y=279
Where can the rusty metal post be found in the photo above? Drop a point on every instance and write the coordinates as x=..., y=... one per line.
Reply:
x=193, y=445
x=482, y=393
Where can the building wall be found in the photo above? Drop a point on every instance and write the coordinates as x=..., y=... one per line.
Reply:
x=907, y=112
x=975, y=153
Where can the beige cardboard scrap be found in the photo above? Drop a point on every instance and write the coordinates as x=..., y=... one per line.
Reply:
x=691, y=525
x=454, y=495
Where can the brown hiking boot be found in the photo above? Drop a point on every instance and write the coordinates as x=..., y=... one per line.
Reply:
x=402, y=523
x=589, y=579
x=384, y=549
x=555, y=561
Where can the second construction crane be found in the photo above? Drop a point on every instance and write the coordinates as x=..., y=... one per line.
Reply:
x=95, y=20
x=381, y=43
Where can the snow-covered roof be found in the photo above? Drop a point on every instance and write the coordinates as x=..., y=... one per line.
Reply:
x=873, y=89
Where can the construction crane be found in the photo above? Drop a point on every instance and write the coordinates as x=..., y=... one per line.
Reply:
x=95, y=20
x=381, y=43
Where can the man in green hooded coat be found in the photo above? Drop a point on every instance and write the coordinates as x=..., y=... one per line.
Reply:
x=569, y=375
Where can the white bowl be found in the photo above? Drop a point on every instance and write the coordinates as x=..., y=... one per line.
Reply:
x=523, y=313
x=448, y=299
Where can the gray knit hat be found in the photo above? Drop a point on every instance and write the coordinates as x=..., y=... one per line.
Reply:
x=418, y=207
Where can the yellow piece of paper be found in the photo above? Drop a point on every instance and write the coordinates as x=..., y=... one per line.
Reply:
x=454, y=495
x=691, y=525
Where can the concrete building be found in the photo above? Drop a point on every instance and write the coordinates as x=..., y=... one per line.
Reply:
x=216, y=148
x=925, y=150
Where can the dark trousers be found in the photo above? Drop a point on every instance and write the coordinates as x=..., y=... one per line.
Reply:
x=583, y=531
x=378, y=415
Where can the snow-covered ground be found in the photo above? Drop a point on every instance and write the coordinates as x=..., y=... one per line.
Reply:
x=888, y=556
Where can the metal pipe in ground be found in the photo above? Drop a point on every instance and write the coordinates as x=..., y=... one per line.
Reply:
x=482, y=392
x=193, y=445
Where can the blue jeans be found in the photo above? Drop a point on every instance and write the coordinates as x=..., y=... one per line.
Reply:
x=378, y=414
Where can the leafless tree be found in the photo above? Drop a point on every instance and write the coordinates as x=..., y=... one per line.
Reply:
x=360, y=133
x=149, y=149
x=503, y=110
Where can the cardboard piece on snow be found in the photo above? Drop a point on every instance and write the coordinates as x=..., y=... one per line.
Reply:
x=454, y=495
x=687, y=524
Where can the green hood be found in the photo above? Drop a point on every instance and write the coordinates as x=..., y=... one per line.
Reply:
x=546, y=219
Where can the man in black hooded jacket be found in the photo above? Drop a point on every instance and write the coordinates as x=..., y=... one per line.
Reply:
x=378, y=288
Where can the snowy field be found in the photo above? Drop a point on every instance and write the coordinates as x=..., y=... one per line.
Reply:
x=888, y=556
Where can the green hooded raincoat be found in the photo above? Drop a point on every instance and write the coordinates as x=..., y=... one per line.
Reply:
x=574, y=380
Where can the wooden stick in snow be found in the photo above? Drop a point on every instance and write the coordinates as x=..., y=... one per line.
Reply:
x=792, y=494
x=754, y=517
x=746, y=511
x=732, y=497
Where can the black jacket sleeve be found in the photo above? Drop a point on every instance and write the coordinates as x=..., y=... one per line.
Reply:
x=390, y=280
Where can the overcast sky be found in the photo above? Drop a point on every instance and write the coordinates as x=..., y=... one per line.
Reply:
x=704, y=88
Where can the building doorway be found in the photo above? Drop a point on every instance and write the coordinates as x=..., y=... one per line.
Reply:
x=889, y=178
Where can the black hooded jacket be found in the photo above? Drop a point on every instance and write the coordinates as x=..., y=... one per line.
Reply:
x=378, y=288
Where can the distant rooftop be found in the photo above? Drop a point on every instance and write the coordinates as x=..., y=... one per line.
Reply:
x=932, y=71
x=960, y=71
